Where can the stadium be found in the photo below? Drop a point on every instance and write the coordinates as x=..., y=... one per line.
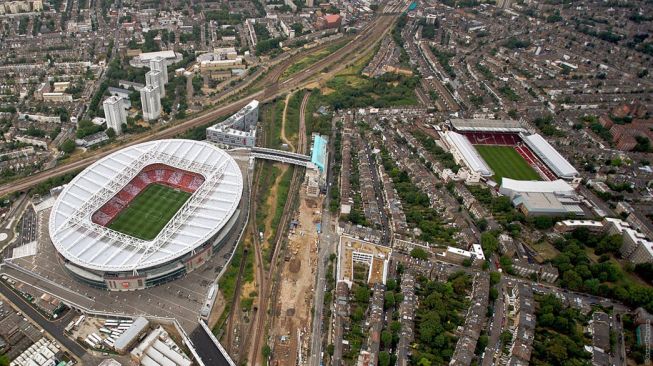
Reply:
x=147, y=214
x=494, y=149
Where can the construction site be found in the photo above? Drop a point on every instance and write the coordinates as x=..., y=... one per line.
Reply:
x=290, y=325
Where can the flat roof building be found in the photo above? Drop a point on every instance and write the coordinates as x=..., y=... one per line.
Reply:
x=542, y=198
x=239, y=130
x=319, y=152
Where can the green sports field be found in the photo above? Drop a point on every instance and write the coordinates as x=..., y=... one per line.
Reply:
x=149, y=211
x=505, y=161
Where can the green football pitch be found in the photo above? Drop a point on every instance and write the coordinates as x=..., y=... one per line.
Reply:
x=505, y=161
x=149, y=211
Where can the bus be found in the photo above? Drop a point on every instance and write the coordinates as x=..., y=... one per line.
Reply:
x=69, y=327
x=79, y=321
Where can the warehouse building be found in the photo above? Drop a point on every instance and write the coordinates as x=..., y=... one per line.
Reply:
x=542, y=198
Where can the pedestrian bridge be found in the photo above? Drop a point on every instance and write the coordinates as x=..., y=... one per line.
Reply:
x=281, y=156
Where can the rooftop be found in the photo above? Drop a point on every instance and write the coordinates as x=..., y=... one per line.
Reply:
x=205, y=213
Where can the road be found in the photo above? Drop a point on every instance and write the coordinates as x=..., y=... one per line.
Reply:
x=54, y=328
x=496, y=326
x=206, y=349
x=356, y=48
x=326, y=246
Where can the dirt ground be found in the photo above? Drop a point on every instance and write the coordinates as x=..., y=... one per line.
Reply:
x=292, y=311
x=285, y=138
x=218, y=308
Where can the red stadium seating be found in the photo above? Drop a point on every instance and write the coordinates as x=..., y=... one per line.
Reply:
x=155, y=173
x=511, y=139
x=493, y=138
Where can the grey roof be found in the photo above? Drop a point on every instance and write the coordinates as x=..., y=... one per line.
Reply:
x=128, y=337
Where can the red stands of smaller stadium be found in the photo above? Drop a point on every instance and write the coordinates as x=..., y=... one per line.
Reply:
x=492, y=138
x=536, y=163
x=155, y=173
x=514, y=140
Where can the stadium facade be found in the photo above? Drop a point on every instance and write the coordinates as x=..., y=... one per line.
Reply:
x=108, y=259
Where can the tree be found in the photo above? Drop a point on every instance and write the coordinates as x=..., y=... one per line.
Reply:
x=384, y=358
x=489, y=243
x=391, y=284
x=467, y=262
x=266, y=351
x=330, y=348
x=68, y=146
x=495, y=277
x=386, y=339
x=543, y=222
x=389, y=300
x=419, y=253
x=111, y=133
x=494, y=294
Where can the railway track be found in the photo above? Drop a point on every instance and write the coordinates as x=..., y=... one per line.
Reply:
x=368, y=36
x=360, y=46
x=270, y=297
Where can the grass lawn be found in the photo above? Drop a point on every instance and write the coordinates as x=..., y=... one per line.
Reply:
x=311, y=59
x=150, y=211
x=505, y=161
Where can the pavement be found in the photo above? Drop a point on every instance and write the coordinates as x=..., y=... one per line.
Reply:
x=54, y=328
x=206, y=349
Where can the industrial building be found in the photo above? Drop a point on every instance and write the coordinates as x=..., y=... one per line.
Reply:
x=542, y=198
x=131, y=335
x=239, y=130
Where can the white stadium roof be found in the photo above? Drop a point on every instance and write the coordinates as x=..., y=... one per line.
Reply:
x=550, y=156
x=487, y=125
x=468, y=153
x=205, y=213
x=534, y=186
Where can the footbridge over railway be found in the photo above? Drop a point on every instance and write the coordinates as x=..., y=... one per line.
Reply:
x=283, y=156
